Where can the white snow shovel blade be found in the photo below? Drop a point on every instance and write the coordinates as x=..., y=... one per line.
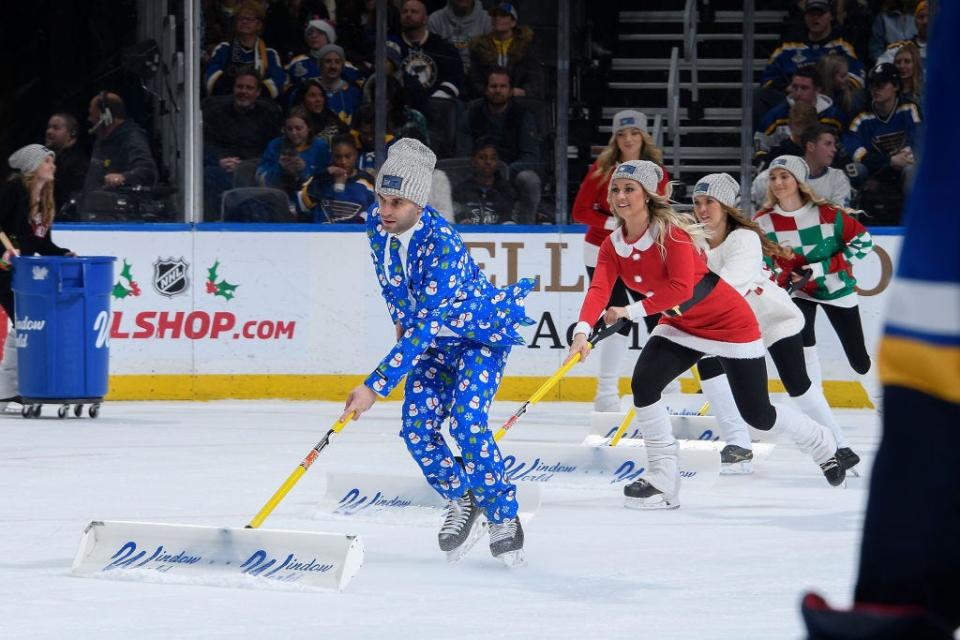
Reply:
x=576, y=465
x=685, y=427
x=397, y=497
x=224, y=557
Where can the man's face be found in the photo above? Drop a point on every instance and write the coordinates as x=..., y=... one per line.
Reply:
x=332, y=66
x=246, y=90
x=397, y=214
x=498, y=89
x=818, y=21
x=461, y=6
x=502, y=22
x=485, y=162
x=317, y=39
x=883, y=91
x=823, y=150
x=802, y=89
x=58, y=134
x=93, y=112
x=345, y=156
x=413, y=15
x=247, y=24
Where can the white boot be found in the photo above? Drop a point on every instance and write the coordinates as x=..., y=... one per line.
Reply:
x=814, y=404
x=9, y=384
x=813, y=438
x=659, y=488
x=737, y=455
x=612, y=349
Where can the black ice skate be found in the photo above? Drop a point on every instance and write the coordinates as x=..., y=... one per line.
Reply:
x=506, y=542
x=736, y=460
x=6, y=402
x=640, y=494
x=834, y=472
x=848, y=460
x=463, y=525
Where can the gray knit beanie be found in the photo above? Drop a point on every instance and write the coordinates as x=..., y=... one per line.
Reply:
x=647, y=173
x=330, y=48
x=27, y=159
x=719, y=186
x=408, y=171
x=796, y=165
x=628, y=119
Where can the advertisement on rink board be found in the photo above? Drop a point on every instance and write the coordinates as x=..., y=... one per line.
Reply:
x=305, y=303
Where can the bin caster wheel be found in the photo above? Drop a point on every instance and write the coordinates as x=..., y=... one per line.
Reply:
x=94, y=410
x=37, y=408
x=63, y=411
x=78, y=410
x=27, y=411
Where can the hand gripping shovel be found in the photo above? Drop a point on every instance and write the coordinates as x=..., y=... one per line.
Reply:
x=224, y=556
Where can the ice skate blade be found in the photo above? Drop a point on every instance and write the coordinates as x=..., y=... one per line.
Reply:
x=513, y=559
x=737, y=468
x=479, y=528
x=654, y=502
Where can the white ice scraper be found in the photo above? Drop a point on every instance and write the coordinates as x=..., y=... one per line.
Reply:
x=224, y=556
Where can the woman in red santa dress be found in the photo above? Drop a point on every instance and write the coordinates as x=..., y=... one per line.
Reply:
x=660, y=253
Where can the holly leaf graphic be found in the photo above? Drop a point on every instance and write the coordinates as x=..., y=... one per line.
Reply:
x=120, y=292
x=226, y=289
x=212, y=272
x=126, y=273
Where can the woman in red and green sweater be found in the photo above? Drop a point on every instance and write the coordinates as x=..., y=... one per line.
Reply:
x=825, y=242
x=629, y=141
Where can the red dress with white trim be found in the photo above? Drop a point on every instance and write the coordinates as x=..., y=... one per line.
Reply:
x=721, y=323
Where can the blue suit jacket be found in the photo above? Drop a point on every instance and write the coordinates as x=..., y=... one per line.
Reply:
x=444, y=287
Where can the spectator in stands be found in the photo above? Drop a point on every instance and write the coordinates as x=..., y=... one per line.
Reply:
x=821, y=39
x=319, y=34
x=910, y=67
x=459, y=22
x=922, y=17
x=323, y=122
x=247, y=49
x=339, y=192
x=819, y=143
x=804, y=87
x=234, y=131
x=628, y=141
x=294, y=157
x=426, y=55
x=416, y=96
x=285, y=20
x=357, y=30
x=72, y=161
x=880, y=142
x=364, y=135
x=343, y=97
x=514, y=130
x=486, y=197
x=404, y=121
x=510, y=46
x=832, y=71
x=802, y=116
x=121, y=153
x=893, y=23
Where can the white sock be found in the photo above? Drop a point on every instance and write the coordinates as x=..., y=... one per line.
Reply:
x=662, y=449
x=733, y=429
x=814, y=404
x=611, y=350
x=9, y=384
x=812, y=437
x=812, y=361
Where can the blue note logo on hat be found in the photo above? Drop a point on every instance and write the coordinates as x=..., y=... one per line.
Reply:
x=702, y=187
x=392, y=182
x=779, y=162
x=626, y=168
x=628, y=120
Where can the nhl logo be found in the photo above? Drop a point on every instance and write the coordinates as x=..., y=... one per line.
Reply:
x=170, y=277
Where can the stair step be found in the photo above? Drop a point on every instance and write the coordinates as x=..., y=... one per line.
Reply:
x=701, y=37
x=684, y=129
x=684, y=84
x=704, y=64
x=727, y=17
x=710, y=113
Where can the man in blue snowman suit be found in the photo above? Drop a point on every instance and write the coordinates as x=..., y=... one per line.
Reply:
x=454, y=333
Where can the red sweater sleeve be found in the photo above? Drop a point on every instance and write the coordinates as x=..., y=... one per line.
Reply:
x=605, y=276
x=662, y=187
x=681, y=272
x=590, y=190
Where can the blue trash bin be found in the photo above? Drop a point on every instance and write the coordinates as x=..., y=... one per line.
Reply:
x=62, y=306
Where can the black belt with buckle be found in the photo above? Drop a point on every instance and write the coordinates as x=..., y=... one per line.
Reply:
x=700, y=291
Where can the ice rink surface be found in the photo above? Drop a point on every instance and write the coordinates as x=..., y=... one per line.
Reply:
x=732, y=562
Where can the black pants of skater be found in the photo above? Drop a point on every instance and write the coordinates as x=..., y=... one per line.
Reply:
x=846, y=322
x=787, y=356
x=621, y=297
x=661, y=361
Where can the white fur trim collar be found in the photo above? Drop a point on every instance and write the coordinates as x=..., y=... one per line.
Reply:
x=643, y=243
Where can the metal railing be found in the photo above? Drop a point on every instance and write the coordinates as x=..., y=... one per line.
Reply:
x=673, y=105
x=657, y=130
x=690, y=53
x=746, y=99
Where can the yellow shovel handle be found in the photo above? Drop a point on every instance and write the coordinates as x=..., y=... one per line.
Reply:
x=292, y=479
x=627, y=419
x=538, y=395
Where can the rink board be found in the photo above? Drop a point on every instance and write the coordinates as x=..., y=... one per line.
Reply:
x=293, y=312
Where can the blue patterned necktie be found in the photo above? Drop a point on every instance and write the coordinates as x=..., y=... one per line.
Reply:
x=396, y=263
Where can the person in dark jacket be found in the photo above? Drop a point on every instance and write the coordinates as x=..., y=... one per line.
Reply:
x=507, y=45
x=426, y=55
x=514, y=131
x=486, y=197
x=27, y=208
x=121, y=154
x=72, y=160
x=340, y=192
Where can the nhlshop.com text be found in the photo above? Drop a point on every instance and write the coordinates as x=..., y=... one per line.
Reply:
x=197, y=325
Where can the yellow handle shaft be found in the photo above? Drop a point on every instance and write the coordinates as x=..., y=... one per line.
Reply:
x=538, y=394
x=627, y=419
x=704, y=409
x=292, y=479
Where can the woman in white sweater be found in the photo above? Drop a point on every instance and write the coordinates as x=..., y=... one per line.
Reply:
x=737, y=248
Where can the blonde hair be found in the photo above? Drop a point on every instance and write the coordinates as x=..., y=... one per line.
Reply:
x=666, y=219
x=807, y=196
x=827, y=67
x=917, y=78
x=46, y=207
x=737, y=219
x=609, y=158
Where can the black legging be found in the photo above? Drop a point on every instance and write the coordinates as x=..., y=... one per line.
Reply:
x=662, y=360
x=846, y=322
x=621, y=296
x=787, y=355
